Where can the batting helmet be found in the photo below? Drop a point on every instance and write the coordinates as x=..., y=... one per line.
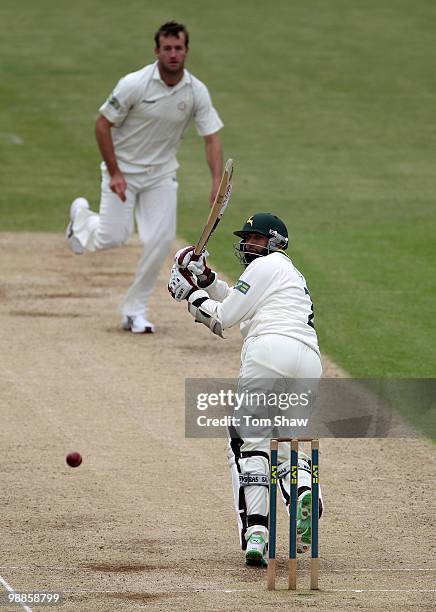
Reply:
x=265, y=224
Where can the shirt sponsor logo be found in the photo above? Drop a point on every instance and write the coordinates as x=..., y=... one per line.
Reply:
x=181, y=106
x=242, y=286
x=113, y=101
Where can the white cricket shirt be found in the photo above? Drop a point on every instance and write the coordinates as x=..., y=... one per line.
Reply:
x=270, y=297
x=150, y=118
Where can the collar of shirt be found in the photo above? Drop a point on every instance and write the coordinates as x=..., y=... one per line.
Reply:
x=185, y=80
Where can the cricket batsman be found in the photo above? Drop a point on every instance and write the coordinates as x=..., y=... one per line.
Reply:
x=272, y=305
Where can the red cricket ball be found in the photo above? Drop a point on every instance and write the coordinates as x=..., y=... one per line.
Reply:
x=74, y=459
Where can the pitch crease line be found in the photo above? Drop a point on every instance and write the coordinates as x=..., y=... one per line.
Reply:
x=67, y=568
x=386, y=569
x=187, y=591
x=11, y=590
x=381, y=591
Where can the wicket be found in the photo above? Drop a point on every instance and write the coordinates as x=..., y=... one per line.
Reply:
x=314, y=560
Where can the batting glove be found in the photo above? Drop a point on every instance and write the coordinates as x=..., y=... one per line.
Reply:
x=205, y=279
x=186, y=258
x=181, y=284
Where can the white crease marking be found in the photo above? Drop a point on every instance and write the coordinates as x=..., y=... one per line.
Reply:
x=11, y=590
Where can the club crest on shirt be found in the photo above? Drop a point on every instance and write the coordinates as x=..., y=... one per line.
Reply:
x=242, y=286
x=113, y=101
x=181, y=105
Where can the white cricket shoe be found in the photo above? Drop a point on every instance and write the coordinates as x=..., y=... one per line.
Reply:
x=255, y=553
x=73, y=242
x=138, y=325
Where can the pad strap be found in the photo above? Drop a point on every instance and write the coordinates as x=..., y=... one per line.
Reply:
x=257, y=519
x=285, y=467
x=250, y=480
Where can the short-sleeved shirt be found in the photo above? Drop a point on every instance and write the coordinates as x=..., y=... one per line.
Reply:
x=149, y=118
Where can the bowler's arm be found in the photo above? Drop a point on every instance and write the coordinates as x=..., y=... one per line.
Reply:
x=105, y=143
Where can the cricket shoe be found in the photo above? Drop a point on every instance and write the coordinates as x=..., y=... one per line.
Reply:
x=304, y=521
x=138, y=324
x=255, y=553
x=73, y=242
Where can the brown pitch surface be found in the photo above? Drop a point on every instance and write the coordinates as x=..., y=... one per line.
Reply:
x=147, y=520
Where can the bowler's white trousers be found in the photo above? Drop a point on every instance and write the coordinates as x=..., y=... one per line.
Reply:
x=270, y=356
x=153, y=202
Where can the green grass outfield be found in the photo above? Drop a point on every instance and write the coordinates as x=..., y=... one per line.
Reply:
x=329, y=109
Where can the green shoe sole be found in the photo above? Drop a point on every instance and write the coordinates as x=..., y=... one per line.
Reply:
x=255, y=558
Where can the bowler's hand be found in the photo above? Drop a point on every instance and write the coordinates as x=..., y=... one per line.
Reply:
x=118, y=185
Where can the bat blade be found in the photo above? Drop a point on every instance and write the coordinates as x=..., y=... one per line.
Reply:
x=222, y=199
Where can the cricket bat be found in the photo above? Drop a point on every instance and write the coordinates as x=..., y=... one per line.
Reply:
x=219, y=206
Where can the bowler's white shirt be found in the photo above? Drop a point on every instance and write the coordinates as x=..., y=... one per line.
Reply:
x=150, y=118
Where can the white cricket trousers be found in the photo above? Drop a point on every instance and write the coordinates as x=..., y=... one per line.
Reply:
x=153, y=203
x=269, y=356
